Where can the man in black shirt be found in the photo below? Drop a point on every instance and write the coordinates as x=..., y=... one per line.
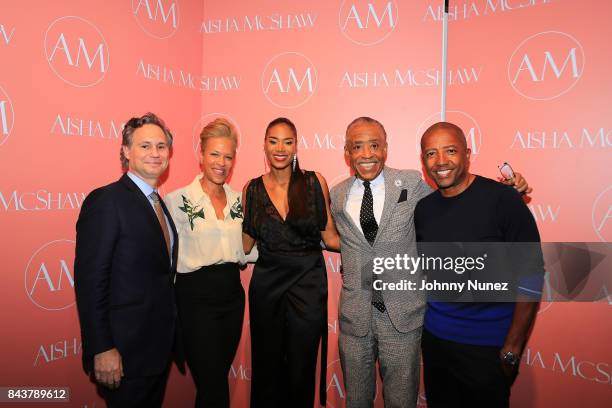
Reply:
x=471, y=351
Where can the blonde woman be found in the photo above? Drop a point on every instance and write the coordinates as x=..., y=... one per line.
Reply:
x=210, y=297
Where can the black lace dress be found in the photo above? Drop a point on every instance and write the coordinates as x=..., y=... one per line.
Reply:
x=287, y=299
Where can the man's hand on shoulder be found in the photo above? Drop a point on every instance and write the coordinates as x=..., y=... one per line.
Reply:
x=108, y=368
x=518, y=182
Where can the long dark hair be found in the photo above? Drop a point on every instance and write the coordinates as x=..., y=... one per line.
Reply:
x=296, y=194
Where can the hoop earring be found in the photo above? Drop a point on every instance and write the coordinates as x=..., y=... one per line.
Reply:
x=294, y=161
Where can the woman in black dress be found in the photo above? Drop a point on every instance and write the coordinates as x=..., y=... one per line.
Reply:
x=287, y=213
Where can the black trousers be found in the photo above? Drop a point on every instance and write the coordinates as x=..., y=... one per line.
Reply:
x=211, y=310
x=288, y=308
x=463, y=375
x=137, y=392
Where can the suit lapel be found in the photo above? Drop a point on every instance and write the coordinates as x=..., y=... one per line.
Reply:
x=151, y=213
x=344, y=193
x=392, y=193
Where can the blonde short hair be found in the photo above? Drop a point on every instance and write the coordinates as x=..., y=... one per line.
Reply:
x=218, y=128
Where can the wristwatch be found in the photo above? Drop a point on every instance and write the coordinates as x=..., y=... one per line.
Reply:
x=510, y=358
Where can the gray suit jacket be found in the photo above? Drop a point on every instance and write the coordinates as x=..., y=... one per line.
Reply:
x=395, y=236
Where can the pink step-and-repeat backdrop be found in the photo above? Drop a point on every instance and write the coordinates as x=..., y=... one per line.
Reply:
x=528, y=81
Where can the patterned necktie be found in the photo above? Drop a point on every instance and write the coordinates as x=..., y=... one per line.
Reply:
x=366, y=215
x=160, y=217
x=369, y=227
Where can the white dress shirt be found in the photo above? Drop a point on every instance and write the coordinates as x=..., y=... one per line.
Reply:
x=355, y=197
x=210, y=241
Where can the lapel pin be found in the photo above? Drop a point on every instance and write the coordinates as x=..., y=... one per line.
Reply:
x=398, y=183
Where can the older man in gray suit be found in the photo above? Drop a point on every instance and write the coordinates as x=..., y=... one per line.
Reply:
x=374, y=213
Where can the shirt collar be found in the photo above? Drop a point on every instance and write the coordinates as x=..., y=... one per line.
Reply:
x=196, y=193
x=380, y=179
x=195, y=189
x=142, y=185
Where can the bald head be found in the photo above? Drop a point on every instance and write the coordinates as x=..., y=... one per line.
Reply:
x=446, y=158
x=448, y=127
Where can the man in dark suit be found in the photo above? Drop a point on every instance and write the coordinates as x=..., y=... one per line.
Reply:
x=125, y=262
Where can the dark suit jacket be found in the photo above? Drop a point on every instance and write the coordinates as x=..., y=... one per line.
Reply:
x=124, y=279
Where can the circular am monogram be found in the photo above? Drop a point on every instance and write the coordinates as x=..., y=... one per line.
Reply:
x=289, y=80
x=49, y=277
x=546, y=65
x=157, y=18
x=76, y=51
x=465, y=121
x=7, y=116
x=367, y=22
x=601, y=215
x=206, y=119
